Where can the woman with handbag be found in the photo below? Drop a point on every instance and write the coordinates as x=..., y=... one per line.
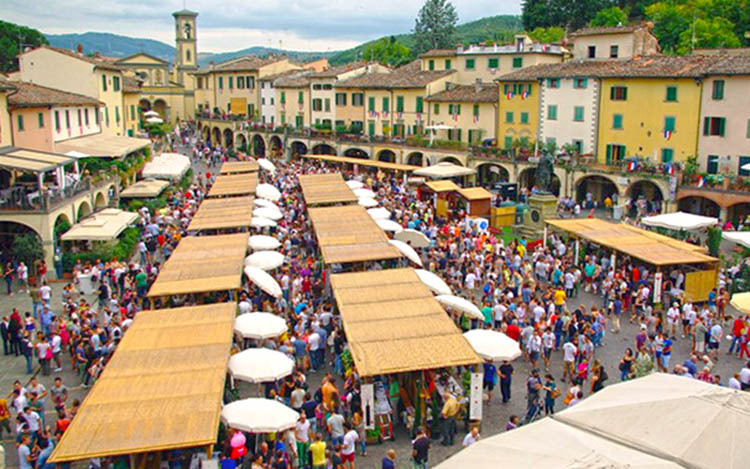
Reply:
x=552, y=393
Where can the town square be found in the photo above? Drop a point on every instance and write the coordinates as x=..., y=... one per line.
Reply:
x=429, y=234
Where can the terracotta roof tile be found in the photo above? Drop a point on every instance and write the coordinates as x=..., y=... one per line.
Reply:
x=31, y=95
x=439, y=53
x=249, y=62
x=486, y=93
x=408, y=76
x=333, y=72
x=296, y=80
x=730, y=65
x=99, y=63
x=276, y=76
x=606, y=30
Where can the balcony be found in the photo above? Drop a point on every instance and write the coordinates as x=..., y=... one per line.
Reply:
x=25, y=197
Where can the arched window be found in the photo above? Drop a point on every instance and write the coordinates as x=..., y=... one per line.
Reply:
x=188, y=29
x=187, y=55
x=158, y=77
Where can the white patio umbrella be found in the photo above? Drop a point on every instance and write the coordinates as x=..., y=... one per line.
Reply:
x=389, y=225
x=264, y=281
x=738, y=237
x=680, y=221
x=266, y=165
x=364, y=193
x=264, y=203
x=368, y=202
x=151, y=113
x=268, y=192
x=260, y=222
x=260, y=365
x=414, y=238
x=259, y=325
x=154, y=120
x=379, y=213
x=406, y=250
x=258, y=415
x=745, y=167
x=265, y=260
x=433, y=282
x=263, y=243
x=268, y=212
x=461, y=305
x=493, y=345
x=354, y=184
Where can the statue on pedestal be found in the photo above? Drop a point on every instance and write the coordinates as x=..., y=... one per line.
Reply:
x=544, y=171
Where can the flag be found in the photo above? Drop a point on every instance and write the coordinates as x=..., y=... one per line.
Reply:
x=509, y=95
x=400, y=115
x=670, y=170
x=385, y=114
x=525, y=95
x=632, y=165
x=455, y=117
x=476, y=119
x=701, y=181
x=667, y=134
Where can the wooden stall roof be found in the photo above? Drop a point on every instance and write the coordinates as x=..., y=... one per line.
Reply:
x=233, y=185
x=323, y=189
x=238, y=167
x=203, y=264
x=647, y=246
x=146, y=188
x=442, y=186
x=393, y=324
x=364, y=162
x=475, y=193
x=161, y=390
x=229, y=212
x=347, y=233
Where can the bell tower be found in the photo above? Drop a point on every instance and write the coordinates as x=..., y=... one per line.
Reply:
x=186, y=45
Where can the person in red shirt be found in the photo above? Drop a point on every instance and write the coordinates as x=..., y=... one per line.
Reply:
x=513, y=331
x=62, y=423
x=738, y=330
x=636, y=274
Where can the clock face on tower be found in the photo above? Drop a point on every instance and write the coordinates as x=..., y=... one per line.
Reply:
x=188, y=29
x=535, y=216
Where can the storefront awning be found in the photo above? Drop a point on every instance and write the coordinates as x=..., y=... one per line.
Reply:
x=101, y=226
x=102, y=146
x=144, y=189
x=444, y=170
x=172, y=166
x=33, y=161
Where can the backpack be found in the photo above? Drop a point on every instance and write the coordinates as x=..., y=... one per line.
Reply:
x=318, y=395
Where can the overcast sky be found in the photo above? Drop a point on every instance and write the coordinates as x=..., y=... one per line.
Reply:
x=227, y=25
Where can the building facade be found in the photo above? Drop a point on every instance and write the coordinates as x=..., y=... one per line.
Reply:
x=615, y=42
x=470, y=109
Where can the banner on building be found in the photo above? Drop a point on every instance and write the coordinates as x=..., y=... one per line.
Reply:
x=657, y=287
x=368, y=405
x=475, y=397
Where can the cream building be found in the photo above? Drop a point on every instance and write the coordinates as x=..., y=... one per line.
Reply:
x=616, y=42
x=470, y=109
x=487, y=62
x=293, y=103
x=6, y=133
x=88, y=76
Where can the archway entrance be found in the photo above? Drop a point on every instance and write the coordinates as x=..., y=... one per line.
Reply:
x=738, y=212
x=323, y=149
x=228, y=138
x=415, y=158
x=216, y=136
x=62, y=224
x=490, y=174
x=100, y=201
x=299, y=148
x=387, y=156
x=645, y=194
x=356, y=153
x=259, y=146
x=17, y=240
x=275, y=144
x=699, y=206
x=84, y=210
x=144, y=104
x=527, y=179
x=160, y=106
x=241, y=143
x=590, y=189
x=450, y=159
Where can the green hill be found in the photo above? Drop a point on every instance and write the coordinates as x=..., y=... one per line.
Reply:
x=492, y=28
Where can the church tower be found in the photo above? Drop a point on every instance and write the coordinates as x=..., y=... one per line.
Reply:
x=186, y=45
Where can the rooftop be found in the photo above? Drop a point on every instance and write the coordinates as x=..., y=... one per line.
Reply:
x=31, y=95
x=730, y=65
x=98, y=62
x=478, y=93
x=246, y=63
x=276, y=76
x=334, y=72
x=294, y=80
x=131, y=84
x=408, y=76
x=185, y=12
x=439, y=53
x=607, y=30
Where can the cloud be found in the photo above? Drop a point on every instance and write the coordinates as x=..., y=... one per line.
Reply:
x=225, y=25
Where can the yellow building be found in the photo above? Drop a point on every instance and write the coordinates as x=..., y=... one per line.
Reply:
x=518, y=111
x=6, y=133
x=293, y=104
x=470, y=109
x=487, y=62
x=649, y=108
x=131, y=96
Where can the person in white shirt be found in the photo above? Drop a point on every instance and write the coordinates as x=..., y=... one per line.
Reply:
x=673, y=320
x=350, y=441
x=548, y=344
x=745, y=376
x=734, y=382
x=471, y=437
x=569, y=358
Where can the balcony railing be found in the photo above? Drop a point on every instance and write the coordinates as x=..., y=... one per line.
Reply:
x=717, y=182
x=22, y=198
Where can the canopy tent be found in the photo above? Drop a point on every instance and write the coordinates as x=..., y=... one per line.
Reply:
x=367, y=202
x=348, y=234
x=393, y=324
x=233, y=185
x=647, y=246
x=461, y=305
x=549, y=444
x=151, y=113
x=222, y=214
x=263, y=280
x=442, y=186
x=407, y=251
x=239, y=167
x=105, y=225
x=493, y=345
x=444, y=170
x=144, y=189
x=171, y=363
x=475, y=193
x=268, y=212
x=103, y=146
x=364, y=162
x=154, y=120
x=32, y=161
x=265, y=203
x=680, y=221
x=741, y=302
x=171, y=166
x=260, y=365
x=364, y=193
x=738, y=237
x=259, y=325
x=325, y=189
x=262, y=222
x=266, y=165
x=413, y=238
x=353, y=184
x=389, y=225
x=258, y=415
x=691, y=422
x=202, y=264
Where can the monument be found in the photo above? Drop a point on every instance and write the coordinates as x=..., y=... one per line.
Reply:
x=543, y=204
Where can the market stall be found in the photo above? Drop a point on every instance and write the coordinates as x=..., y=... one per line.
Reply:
x=442, y=194
x=355, y=162
x=222, y=215
x=239, y=167
x=659, y=251
x=170, y=166
x=144, y=189
x=233, y=185
x=478, y=201
x=326, y=189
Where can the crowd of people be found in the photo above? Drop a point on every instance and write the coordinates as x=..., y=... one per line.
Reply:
x=530, y=291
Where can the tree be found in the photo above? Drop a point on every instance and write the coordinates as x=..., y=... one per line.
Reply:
x=28, y=248
x=564, y=13
x=611, y=16
x=669, y=23
x=13, y=36
x=708, y=33
x=435, y=25
x=388, y=51
x=547, y=35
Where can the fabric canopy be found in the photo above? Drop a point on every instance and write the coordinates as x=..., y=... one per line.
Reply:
x=444, y=170
x=687, y=420
x=257, y=415
x=364, y=162
x=222, y=214
x=259, y=325
x=680, y=221
x=738, y=237
x=407, y=251
x=32, y=161
x=103, y=146
x=549, y=444
x=260, y=365
x=171, y=166
x=105, y=225
x=233, y=185
x=493, y=345
x=146, y=189
x=741, y=302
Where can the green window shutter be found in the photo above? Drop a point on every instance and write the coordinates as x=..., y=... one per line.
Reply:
x=40, y=117
x=585, y=82
x=447, y=64
x=517, y=62
x=283, y=96
x=718, y=89
x=475, y=111
x=609, y=154
x=399, y=104
x=493, y=63
x=386, y=105
x=612, y=93
x=505, y=88
x=552, y=112
x=671, y=93
x=431, y=65
x=515, y=89
x=509, y=117
x=371, y=128
x=617, y=121
x=221, y=82
x=436, y=109
x=706, y=125
x=524, y=118
x=230, y=79
x=578, y=113
x=104, y=82
x=508, y=143
x=722, y=124
x=529, y=88
x=420, y=104
x=666, y=155
x=624, y=93
x=20, y=122
x=459, y=135
x=669, y=124
x=300, y=97
x=371, y=104
x=458, y=109
x=450, y=109
x=470, y=64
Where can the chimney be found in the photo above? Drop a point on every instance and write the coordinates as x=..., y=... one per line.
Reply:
x=79, y=49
